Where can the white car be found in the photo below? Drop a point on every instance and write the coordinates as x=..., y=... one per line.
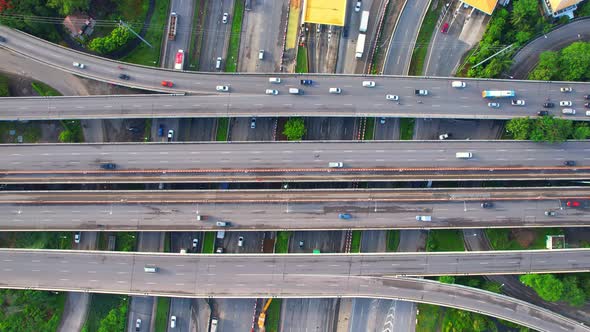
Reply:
x=195, y=243
x=241, y=241
x=494, y=105
x=369, y=84
x=517, y=102
x=225, y=18
x=443, y=136
x=272, y=92
x=357, y=7
x=566, y=89
x=170, y=134
x=173, y=322
x=392, y=97
x=77, y=237
x=424, y=218
x=565, y=103
x=222, y=88
x=382, y=120
x=138, y=324
x=79, y=65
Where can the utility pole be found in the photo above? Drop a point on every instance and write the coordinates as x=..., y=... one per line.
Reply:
x=133, y=32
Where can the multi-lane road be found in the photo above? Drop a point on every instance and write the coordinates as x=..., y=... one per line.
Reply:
x=247, y=93
x=336, y=275
x=292, y=209
x=252, y=162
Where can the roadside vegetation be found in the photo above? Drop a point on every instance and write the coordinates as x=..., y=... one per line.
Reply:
x=37, y=240
x=445, y=240
x=194, y=48
x=44, y=90
x=571, y=63
x=294, y=129
x=107, y=312
x=406, y=127
x=282, y=242
x=231, y=65
x=30, y=311
x=392, y=240
x=209, y=243
x=162, y=310
x=273, y=315
x=519, y=239
x=71, y=132
x=424, y=36
x=301, y=65
x=369, y=129
x=222, y=129
x=355, y=243
x=547, y=129
x=4, y=90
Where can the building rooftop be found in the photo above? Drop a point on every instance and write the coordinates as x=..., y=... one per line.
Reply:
x=330, y=12
x=486, y=6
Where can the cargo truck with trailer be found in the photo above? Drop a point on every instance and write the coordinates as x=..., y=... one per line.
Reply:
x=364, y=21
x=172, y=26
x=360, y=46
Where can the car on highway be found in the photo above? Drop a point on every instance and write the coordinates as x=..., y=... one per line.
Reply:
x=335, y=164
x=517, y=102
x=301, y=244
x=275, y=80
x=306, y=82
x=170, y=134
x=565, y=103
x=345, y=32
x=271, y=92
x=167, y=84
x=108, y=166
x=241, y=241
x=587, y=97
x=222, y=88
x=138, y=324
x=550, y=213
x=79, y=65
x=345, y=216
x=357, y=7
x=445, y=28
x=222, y=224
x=487, y=205
x=77, y=237
x=542, y=113
x=494, y=105
x=569, y=163
x=587, y=105
x=382, y=120
x=124, y=77
x=161, y=130
x=224, y=18
x=218, y=62
x=172, y=322
x=220, y=250
x=458, y=84
x=253, y=123
x=195, y=242
x=335, y=91
x=572, y=203
x=392, y=97
x=548, y=105
x=261, y=55
x=369, y=84
x=424, y=218
x=566, y=89
x=568, y=111
x=444, y=136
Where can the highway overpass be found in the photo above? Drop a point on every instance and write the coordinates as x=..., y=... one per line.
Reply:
x=326, y=275
x=265, y=210
x=292, y=161
x=246, y=97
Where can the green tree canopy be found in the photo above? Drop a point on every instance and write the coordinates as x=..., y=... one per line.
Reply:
x=66, y=7
x=573, y=294
x=519, y=128
x=548, y=67
x=447, y=279
x=294, y=129
x=118, y=37
x=550, y=129
x=547, y=286
x=581, y=131
x=523, y=11
x=575, y=62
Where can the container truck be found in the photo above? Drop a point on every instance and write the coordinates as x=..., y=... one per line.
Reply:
x=364, y=21
x=360, y=46
x=172, y=26
x=179, y=60
x=498, y=94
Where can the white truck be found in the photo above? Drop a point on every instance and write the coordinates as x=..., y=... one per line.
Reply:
x=360, y=46
x=364, y=21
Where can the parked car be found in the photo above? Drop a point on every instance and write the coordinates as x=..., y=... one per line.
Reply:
x=357, y=7
x=170, y=134
x=566, y=89
x=306, y=82
x=445, y=28
x=494, y=105
x=550, y=213
x=272, y=92
x=108, y=166
x=79, y=65
x=222, y=88
x=569, y=163
x=77, y=237
x=517, y=102
x=369, y=84
x=565, y=103
x=548, y=105
x=542, y=113
x=224, y=18
x=167, y=84
x=253, y=123
x=392, y=97
x=572, y=203
x=487, y=205
x=161, y=130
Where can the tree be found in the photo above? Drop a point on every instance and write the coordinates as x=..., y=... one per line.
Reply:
x=522, y=12
x=547, y=286
x=294, y=129
x=447, y=279
x=550, y=129
x=519, y=128
x=118, y=37
x=548, y=67
x=575, y=62
x=66, y=7
x=581, y=131
x=573, y=294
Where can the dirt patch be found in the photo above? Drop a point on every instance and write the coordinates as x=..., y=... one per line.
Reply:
x=524, y=237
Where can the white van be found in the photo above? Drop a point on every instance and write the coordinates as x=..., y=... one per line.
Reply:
x=464, y=155
x=150, y=269
x=295, y=91
x=587, y=113
x=335, y=90
x=261, y=55
x=335, y=164
x=274, y=80
x=569, y=111
x=218, y=63
x=458, y=84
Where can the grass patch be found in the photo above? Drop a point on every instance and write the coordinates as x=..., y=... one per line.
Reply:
x=370, y=129
x=519, y=239
x=196, y=36
x=301, y=66
x=126, y=241
x=406, y=128
x=428, y=318
x=4, y=90
x=231, y=65
x=143, y=54
x=27, y=310
x=392, y=240
x=107, y=311
x=30, y=131
x=209, y=243
x=222, y=129
x=72, y=132
x=44, y=90
x=355, y=244
x=37, y=240
x=273, y=315
x=282, y=242
x=423, y=39
x=167, y=244
x=147, y=132
x=162, y=310
x=293, y=24
x=445, y=240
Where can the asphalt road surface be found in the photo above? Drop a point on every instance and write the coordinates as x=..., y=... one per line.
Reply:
x=298, y=276
x=295, y=210
x=215, y=36
x=184, y=9
x=247, y=91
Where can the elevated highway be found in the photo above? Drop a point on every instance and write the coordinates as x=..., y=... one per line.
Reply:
x=292, y=209
x=337, y=275
x=246, y=97
x=280, y=162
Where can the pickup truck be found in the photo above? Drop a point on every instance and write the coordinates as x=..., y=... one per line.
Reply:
x=421, y=92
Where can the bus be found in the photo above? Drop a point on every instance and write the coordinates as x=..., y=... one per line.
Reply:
x=498, y=94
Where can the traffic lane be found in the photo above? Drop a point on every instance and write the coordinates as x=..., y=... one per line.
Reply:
x=181, y=308
x=389, y=130
x=288, y=156
x=303, y=216
x=241, y=129
x=183, y=31
x=302, y=314
x=215, y=35
x=405, y=316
